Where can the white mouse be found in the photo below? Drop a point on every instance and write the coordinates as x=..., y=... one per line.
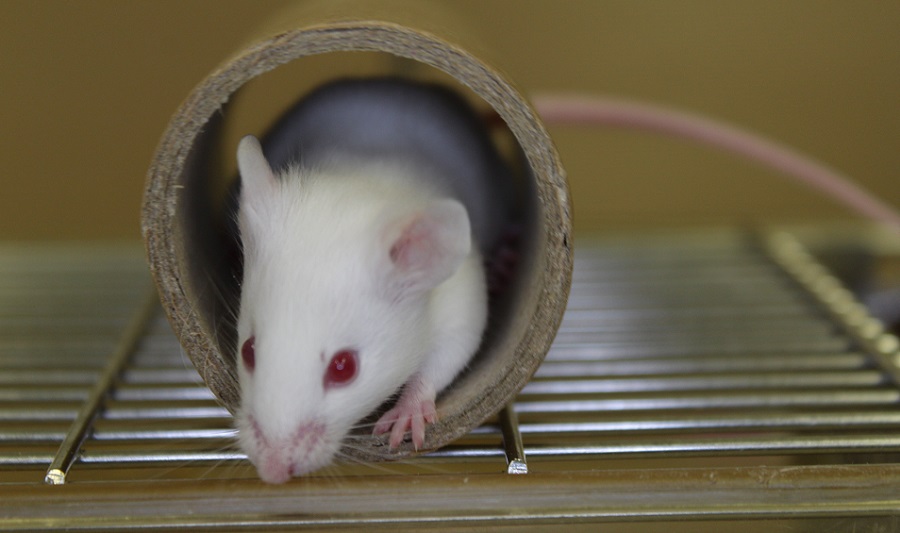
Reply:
x=363, y=228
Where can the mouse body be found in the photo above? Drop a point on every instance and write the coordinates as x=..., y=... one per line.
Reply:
x=364, y=217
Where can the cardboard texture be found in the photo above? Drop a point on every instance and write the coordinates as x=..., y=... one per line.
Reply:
x=179, y=218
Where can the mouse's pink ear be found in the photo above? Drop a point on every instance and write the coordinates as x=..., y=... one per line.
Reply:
x=257, y=178
x=427, y=248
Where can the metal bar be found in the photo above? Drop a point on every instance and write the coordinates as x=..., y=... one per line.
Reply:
x=168, y=434
x=636, y=350
x=559, y=368
x=68, y=450
x=174, y=412
x=466, y=500
x=665, y=402
x=46, y=394
x=674, y=332
x=144, y=393
x=512, y=441
x=44, y=414
x=708, y=382
x=840, y=303
x=45, y=377
x=591, y=314
x=173, y=456
x=886, y=420
x=779, y=445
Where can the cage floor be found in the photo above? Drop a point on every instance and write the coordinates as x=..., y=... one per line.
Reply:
x=714, y=378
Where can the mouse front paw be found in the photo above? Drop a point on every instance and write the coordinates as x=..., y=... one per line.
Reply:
x=414, y=409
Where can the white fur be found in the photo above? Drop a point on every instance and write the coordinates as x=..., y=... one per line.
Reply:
x=318, y=277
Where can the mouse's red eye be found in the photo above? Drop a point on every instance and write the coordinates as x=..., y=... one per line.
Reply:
x=342, y=368
x=248, y=353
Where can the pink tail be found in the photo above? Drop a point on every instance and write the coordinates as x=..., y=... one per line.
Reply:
x=561, y=109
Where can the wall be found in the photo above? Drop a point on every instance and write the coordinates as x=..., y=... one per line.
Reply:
x=87, y=88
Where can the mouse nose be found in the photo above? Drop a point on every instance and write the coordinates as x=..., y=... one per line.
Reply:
x=275, y=469
x=299, y=454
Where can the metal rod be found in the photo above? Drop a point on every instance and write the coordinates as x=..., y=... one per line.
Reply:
x=68, y=450
x=840, y=303
x=710, y=447
x=512, y=441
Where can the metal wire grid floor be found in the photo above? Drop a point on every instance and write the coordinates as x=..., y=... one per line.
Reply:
x=710, y=376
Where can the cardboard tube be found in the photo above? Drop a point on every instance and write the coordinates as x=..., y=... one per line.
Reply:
x=180, y=220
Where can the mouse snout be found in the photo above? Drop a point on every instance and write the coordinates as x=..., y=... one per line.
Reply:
x=273, y=469
x=304, y=450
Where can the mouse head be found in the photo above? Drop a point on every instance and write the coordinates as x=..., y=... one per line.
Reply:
x=334, y=305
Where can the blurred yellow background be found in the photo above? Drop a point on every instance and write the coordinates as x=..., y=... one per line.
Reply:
x=88, y=87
